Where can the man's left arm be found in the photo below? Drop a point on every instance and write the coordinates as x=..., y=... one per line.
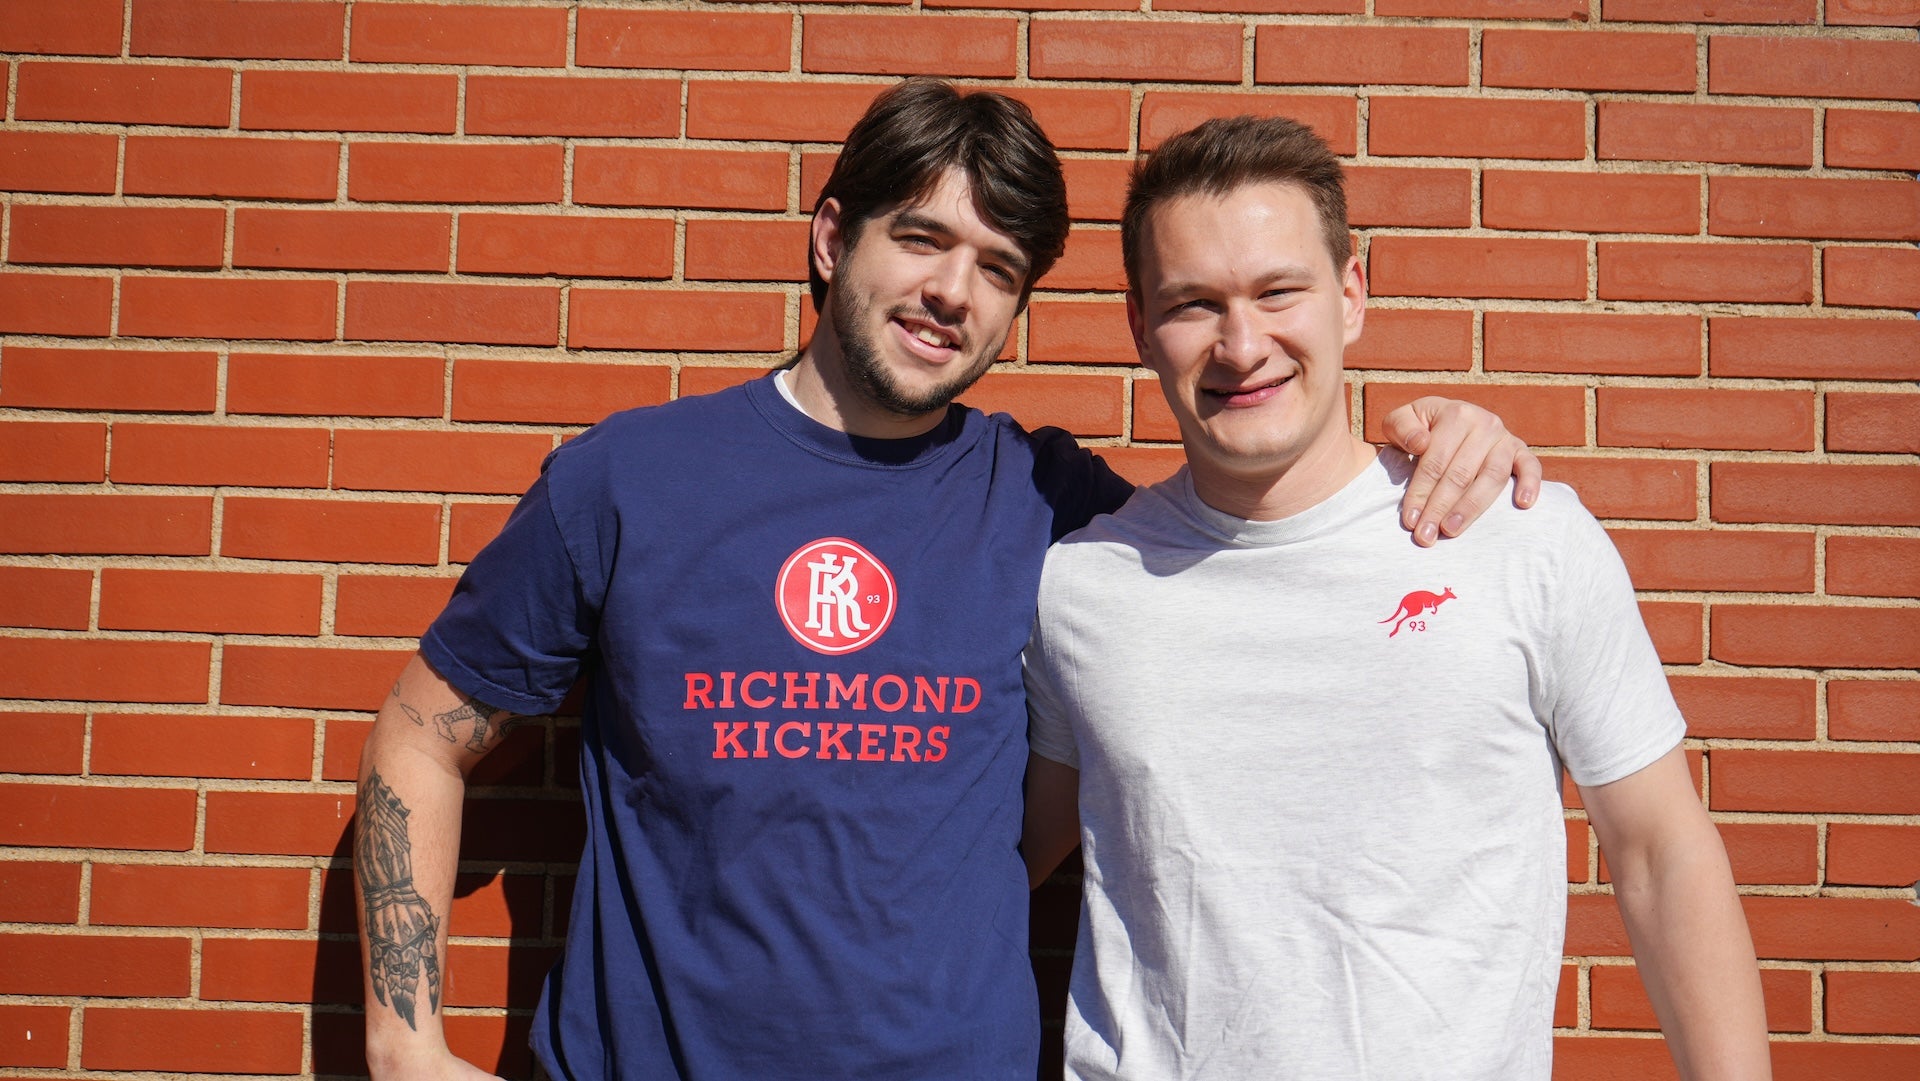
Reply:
x=1689, y=936
x=1466, y=457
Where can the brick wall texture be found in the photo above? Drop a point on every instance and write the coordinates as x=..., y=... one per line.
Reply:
x=297, y=293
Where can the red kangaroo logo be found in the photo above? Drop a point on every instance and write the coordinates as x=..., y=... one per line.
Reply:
x=1414, y=604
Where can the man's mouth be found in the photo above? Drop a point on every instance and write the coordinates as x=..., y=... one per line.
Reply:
x=1241, y=397
x=928, y=334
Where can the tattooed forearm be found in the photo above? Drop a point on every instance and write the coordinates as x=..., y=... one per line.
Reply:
x=486, y=722
x=402, y=931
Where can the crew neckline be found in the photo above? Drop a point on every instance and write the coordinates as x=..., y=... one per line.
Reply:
x=1387, y=469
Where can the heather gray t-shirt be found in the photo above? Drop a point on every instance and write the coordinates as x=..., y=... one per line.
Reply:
x=1320, y=779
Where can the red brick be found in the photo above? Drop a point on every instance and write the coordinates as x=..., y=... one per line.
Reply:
x=1152, y=420
x=1873, y=13
x=175, y=896
x=341, y=239
x=330, y=530
x=671, y=177
x=1834, y=929
x=459, y=34
x=1674, y=627
x=35, y=1035
x=392, y=101
x=498, y=1044
x=1816, y=493
x=236, y=308
x=1544, y=416
x=1808, y=637
x=475, y=173
x=1860, y=139
x=1873, y=566
x=118, y=237
x=1133, y=51
x=388, y=605
x=1866, y=854
x=48, y=743
x=174, y=745
x=625, y=107
x=496, y=463
x=1814, y=348
x=1091, y=262
x=112, y=966
x=104, y=670
x=63, y=304
x=1593, y=926
x=472, y=526
x=1591, y=203
x=57, y=161
x=1166, y=113
x=1745, y=707
x=567, y=246
x=786, y=112
x=697, y=40
x=219, y=602
x=1079, y=5
x=1850, y=783
x=1729, y=134
x=1361, y=55
x=1587, y=60
x=1388, y=195
x=1080, y=119
x=689, y=321
x=1083, y=405
x=1596, y=343
x=195, y=1041
x=279, y=970
x=746, y=250
x=54, y=598
x=1410, y=339
x=1526, y=268
x=53, y=451
x=1871, y=277
x=1873, y=710
x=1477, y=128
x=1484, y=9
x=1875, y=1003
x=952, y=45
x=1619, y=1000
x=220, y=166
x=553, y=392
x=1079, y=332
x=203, y=454
x=74, y=28
x=300, y=385
x=1714, y=11
x=275, y=30
x=282, y=823
x=453, y=312
x=1814, y=67
x=1750, y=273
x=340, y=761
x=1250, y=7
x=488, y=975
x=1096, y=187
x=106, y=524
x=1719, y=561
x=1711, y=419
x=308, y=677
x=1812, y=207
x=194, y=97
x=702, y=379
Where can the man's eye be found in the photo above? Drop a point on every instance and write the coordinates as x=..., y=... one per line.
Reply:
x=1000, y=274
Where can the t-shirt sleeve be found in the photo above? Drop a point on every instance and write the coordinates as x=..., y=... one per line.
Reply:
x=1078, y=484
x=521, y=620
x=1611, y=711
x=1049, y=733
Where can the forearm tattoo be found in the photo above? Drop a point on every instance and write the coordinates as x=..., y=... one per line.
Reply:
x=488, y=723
x=402, y=932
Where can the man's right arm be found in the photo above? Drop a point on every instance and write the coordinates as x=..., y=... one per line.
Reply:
x=413, y=773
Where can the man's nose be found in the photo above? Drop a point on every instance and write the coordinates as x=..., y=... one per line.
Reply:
x=948, y=290
x=1242, y=343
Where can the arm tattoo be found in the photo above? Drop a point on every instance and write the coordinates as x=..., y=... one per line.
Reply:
x=483, y=718
x=402, y=931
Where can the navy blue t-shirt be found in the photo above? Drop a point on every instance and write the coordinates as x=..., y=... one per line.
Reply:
x=804, y=735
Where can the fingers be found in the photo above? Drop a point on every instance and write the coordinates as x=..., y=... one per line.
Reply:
x=1407, y=426
x=1442, y=446
x=1466, y=484
x=1526, y=484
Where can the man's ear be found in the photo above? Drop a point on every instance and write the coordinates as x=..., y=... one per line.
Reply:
x=1353, y=292
x=1137, y=324
x=828, y=241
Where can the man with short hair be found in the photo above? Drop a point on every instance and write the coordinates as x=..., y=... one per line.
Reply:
x=798, y=607
x=1320, y=844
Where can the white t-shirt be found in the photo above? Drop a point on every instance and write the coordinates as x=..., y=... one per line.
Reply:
x=1320, y=779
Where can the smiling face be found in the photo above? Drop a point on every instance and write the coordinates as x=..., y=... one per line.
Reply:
x=919, y=302
x=1242, y=312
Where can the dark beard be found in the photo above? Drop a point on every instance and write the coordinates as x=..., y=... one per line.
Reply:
x=870, y=379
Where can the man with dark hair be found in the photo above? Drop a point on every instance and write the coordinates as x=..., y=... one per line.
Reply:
x=1321, y=845
x=798, y=608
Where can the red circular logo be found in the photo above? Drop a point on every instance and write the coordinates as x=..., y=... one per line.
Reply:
x=834, y=596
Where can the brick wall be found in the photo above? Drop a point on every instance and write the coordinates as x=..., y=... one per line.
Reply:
x=297, y=293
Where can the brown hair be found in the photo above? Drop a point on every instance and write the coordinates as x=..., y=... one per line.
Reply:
x=1228, y=153
x=913, y=133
